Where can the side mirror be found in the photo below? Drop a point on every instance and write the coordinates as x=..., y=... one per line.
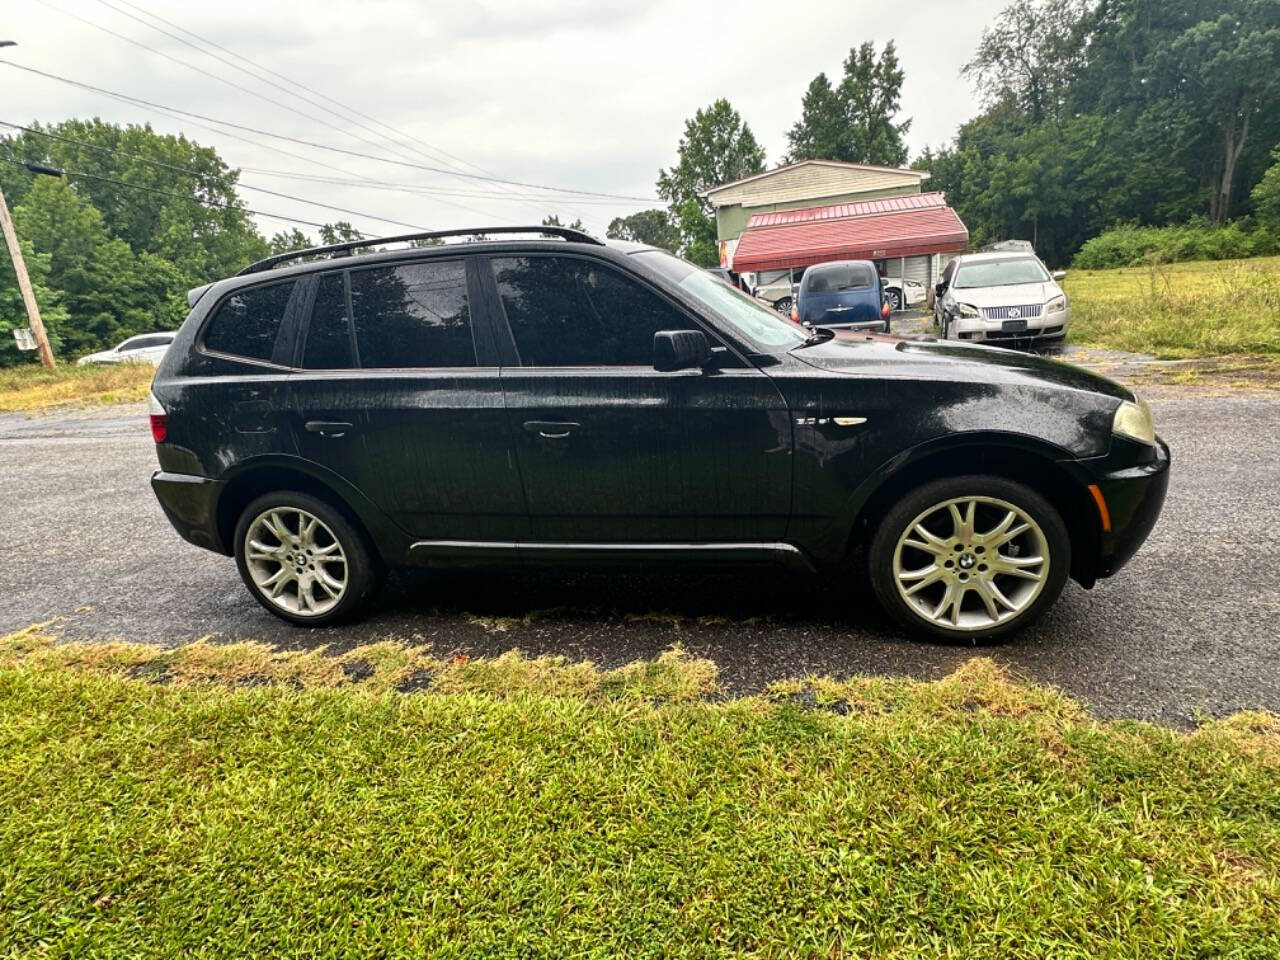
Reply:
x=680, y=350
x=1059, y=275
x=939, y=288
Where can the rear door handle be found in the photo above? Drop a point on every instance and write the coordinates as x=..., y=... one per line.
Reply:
x=551, y=429
x=329, y=428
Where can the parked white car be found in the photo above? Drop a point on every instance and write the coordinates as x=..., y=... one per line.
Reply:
x=775, y=287
x=1001, y=296
x=144, y=348
x=902, y=293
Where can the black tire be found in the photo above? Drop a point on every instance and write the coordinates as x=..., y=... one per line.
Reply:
x=999, y=494
x=895, y=298
x=782, y=305
x=363, y=572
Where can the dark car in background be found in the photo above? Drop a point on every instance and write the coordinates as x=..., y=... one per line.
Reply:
x=329, y=414
x=843, y=295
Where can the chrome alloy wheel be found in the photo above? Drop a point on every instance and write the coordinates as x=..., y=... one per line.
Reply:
x=295, y=561
x=970, y=563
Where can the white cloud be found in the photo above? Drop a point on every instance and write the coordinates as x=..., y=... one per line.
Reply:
x=582, y=93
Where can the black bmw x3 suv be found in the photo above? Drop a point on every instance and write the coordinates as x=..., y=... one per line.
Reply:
x=328, y=414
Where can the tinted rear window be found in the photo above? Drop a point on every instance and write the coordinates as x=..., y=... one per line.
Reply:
x=246, y=323
x=414, y=315
x=328, y=344
x=843, y=276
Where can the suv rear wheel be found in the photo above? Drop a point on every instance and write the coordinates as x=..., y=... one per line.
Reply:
x=303, y=560
x=971, y=558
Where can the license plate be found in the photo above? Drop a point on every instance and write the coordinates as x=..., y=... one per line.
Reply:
x=1014, y=326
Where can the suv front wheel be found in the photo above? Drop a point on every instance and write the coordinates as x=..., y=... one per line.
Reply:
x=970, y=558
x=303, y=560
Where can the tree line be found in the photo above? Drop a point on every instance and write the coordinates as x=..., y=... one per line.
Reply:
x=1094, y=113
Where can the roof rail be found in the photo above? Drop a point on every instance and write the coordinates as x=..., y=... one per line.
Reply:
x=345, y=249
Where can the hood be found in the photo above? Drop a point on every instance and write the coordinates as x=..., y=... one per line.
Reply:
x=1014, y=295
x=880, y=355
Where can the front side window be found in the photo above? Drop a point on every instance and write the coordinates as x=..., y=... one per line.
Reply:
x=247, y=322
x=567, y=312
x=745, y=315
x=413, y=315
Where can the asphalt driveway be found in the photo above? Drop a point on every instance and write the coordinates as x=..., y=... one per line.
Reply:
x=1191, y=625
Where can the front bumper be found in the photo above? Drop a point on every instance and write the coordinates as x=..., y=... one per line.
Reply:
x=1051, y=326
x=1134, y=496
x=191, y=504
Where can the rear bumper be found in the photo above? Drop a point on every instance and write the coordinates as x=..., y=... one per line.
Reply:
x=1134, y=498
x=191, y=504
x=870, y=326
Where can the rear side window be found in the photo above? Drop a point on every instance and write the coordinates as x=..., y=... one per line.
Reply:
x=413, y=315
x=246, y=323
x=328, y=345
x=845, y=276
x=566, y=312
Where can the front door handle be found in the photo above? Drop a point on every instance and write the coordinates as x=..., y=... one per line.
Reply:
x=551, y=429
x=329, y=428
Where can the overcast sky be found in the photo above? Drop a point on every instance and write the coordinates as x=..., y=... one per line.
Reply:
x=587, y=94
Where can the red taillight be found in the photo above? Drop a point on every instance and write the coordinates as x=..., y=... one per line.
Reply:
x=795, y=315
x=884, y=310
x=159, y=419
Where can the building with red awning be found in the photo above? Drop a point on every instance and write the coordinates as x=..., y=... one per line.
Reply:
x=783, y=220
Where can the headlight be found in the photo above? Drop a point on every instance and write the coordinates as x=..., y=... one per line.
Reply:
x=1057, y=304
x=1134, y=420
x=966, y=310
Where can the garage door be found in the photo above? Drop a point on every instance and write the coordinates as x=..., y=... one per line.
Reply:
x=913, y=268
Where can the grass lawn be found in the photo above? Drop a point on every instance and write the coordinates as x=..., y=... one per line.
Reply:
x=1204, y=308
x=31, y=387
x=237, y=801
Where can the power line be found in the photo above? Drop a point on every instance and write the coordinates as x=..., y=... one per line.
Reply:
x=242, y=69
x=318, y=146
x=295, y=83
x=196, y=173
x=529, y=198
x=203, y=72
x=182, y=196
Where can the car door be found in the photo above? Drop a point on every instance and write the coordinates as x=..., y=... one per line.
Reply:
x=400, y=396
x=611, y=450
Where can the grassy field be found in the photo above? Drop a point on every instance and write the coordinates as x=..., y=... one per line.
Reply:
x=236, y=801
x=1179, y=310
x=32, y=387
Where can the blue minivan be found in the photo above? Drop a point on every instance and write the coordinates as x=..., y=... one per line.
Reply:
x=845, y=294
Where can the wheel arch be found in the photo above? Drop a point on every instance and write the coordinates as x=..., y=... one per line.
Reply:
x=265, y=475
x=1037, y=465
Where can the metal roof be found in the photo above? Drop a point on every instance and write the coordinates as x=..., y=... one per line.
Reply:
x=861, y=208
x=904, y=226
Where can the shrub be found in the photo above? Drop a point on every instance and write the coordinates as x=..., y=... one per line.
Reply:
x=1129, y=245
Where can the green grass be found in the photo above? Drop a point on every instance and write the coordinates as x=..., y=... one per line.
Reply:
x=31, y=388
x=1179, y=310
x=240, y=801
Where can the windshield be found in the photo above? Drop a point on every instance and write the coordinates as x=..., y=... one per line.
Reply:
x=761, y=325
x=1000, y=273
x=844, y=276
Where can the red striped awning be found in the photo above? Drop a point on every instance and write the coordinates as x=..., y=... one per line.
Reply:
x=905, y=226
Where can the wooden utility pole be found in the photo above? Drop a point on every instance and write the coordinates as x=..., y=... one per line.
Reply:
x=24, y=284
